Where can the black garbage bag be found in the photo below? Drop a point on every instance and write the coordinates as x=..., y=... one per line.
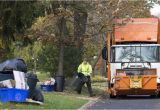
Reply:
x=14, y=64
x=6, y=76
x=32, y=82
x=77, y=80
x=83, y=78
x=37, y=95
x=34, y=93
x=75, y=83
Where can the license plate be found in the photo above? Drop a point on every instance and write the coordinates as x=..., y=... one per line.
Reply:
x=136, y=84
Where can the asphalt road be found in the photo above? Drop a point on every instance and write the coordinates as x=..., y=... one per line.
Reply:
x=144, y=102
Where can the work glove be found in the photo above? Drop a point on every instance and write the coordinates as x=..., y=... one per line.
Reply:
x=80, y=75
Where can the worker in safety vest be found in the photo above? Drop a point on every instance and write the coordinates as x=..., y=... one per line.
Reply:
x=84, y=73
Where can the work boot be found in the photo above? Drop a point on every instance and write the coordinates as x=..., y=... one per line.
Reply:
x=78, y=92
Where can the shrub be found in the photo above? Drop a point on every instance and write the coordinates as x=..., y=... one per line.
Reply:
x=98, y=78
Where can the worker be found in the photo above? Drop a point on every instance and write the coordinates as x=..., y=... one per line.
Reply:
x=84, y=73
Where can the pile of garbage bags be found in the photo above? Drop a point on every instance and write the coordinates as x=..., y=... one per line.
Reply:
x=14, y=64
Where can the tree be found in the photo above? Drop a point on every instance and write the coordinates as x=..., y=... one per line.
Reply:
x=102, y=16
x=57, y=29
x=66, y=24
x=101, y=19
x=15, y=18
x=78, y=23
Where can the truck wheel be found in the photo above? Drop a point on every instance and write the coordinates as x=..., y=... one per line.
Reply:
x=122, y=96
x=112, y=96
x=158, y=95
x=153, y=96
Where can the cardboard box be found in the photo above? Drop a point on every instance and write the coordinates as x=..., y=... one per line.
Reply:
x=7, y=83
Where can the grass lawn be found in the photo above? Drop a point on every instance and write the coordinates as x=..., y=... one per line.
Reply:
x=52, y=101
x=68, y=99
x=42, y=76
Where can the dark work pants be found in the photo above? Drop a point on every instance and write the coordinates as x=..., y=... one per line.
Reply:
x=88, y=83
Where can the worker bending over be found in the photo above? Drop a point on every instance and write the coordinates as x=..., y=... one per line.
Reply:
x=84, y=73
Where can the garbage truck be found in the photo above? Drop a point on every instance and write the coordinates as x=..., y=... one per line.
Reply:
x=132, y=56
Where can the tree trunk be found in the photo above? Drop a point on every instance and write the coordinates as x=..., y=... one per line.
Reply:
x=80, y=20
x=60, y=75
x=95, y=62
x=61, y=57
x=63, y=33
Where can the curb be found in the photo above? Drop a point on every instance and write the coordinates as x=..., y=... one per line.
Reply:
x=90, y=103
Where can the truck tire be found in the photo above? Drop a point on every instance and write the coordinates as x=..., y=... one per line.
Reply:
x=111, y=96
x=122, y=96
x=37, y=95
x=158, y=95
x=153, y=96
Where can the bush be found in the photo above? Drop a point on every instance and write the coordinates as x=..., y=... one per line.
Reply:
x=72, y=59
x=98, y=78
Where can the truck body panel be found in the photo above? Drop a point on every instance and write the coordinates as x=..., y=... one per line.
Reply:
x=137, y=30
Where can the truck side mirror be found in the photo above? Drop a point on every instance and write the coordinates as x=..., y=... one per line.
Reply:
x=105, y=53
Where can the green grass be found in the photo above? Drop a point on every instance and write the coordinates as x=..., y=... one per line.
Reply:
x=52, y=101
x=42, y=76
x=99, y=86
x=68, y=99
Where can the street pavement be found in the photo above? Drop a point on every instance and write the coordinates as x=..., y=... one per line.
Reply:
x=140, y=102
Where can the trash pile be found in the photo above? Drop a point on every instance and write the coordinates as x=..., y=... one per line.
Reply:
x=50, y=81
x=7, y=83
x=13, y=86
x=48, y=85
x=16, y=84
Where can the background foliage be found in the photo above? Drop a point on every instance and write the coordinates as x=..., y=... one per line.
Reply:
x=37, y=30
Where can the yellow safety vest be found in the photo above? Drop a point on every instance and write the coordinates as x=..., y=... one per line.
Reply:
x=86, y=69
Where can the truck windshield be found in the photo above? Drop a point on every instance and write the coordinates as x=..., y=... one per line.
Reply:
x=135, y=54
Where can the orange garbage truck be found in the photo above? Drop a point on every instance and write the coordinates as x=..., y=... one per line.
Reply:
x=133, y=57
